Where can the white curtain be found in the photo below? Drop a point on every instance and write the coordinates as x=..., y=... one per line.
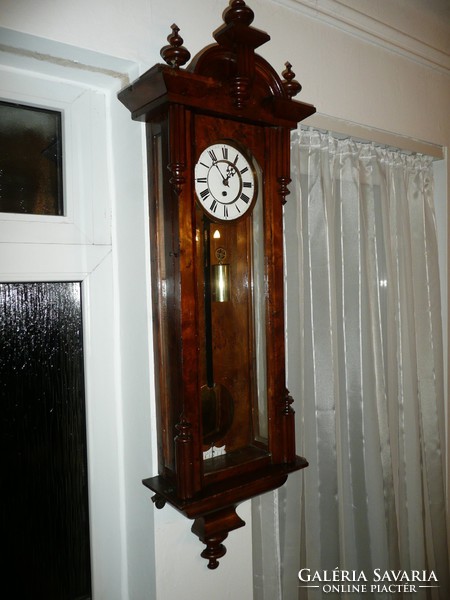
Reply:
x=365, y=369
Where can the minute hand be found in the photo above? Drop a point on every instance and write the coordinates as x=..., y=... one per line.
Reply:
x=224, y=179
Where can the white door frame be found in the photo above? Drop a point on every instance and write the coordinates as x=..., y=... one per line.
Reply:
x=84, y=245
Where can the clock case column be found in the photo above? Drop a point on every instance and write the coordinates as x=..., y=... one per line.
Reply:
x=230, y=83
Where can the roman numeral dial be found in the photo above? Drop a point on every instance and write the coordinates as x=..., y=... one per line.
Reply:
x=225, y=182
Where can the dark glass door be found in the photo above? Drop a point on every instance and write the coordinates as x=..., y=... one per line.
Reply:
x=45, y=518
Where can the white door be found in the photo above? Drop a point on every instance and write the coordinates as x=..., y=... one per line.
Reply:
x=78, y=247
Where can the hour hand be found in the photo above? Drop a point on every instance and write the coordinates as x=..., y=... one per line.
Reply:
x=230, y=172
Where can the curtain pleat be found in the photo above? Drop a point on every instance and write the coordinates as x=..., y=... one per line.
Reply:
x=364, y=347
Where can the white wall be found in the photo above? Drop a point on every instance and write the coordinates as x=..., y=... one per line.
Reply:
x=397, y=81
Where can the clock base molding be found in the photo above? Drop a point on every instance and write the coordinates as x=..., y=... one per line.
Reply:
x=214, y=508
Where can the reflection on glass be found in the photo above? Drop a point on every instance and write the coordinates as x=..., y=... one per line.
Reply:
x=45, y=512
x=163, y=292
x=30, y=160
x=259, y=319
x=232, y=323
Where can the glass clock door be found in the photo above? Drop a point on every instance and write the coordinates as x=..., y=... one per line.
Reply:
x=230, y=267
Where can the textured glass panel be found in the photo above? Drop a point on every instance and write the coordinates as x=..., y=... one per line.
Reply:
x=45, y=526
x=30, y=160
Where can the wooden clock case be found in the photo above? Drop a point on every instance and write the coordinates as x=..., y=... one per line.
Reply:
x=226, y=92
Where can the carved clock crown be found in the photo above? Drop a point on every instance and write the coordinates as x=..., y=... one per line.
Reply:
x=230, y=75
x=233, y=60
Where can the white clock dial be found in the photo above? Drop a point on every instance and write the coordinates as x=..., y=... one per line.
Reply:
x=225, y=182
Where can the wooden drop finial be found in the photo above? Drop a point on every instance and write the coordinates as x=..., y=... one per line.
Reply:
x=291, y=86
x=175, y=54
x=238, y=11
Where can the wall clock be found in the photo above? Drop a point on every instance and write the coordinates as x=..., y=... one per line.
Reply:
x=218, y=152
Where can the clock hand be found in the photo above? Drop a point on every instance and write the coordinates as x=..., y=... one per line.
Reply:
x=231, y=171
x=225, y=180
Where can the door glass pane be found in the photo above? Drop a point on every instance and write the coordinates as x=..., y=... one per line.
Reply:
x=30, y=160
x=232, y=323
x=45, y=524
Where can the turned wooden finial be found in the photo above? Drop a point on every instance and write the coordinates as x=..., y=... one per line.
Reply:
x=238, y=11
x=291, y=86
x=175, y=54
